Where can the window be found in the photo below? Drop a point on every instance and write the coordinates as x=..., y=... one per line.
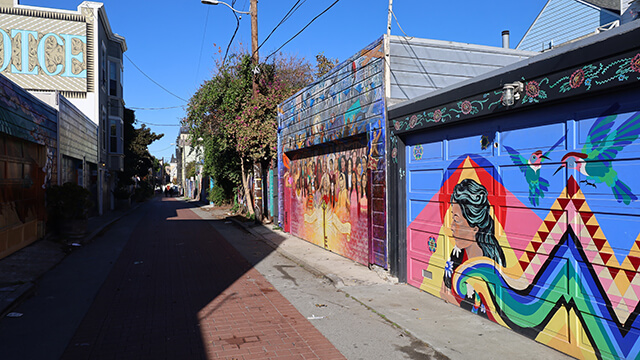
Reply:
x=113, y=78
x=104, y=128
x=103, y=65
x=115, y=136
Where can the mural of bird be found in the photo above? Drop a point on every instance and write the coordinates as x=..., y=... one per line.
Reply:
x=530, y=168
x=601, y=147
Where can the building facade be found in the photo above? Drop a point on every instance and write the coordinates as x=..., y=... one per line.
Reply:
x=332, y=138
x=527, y=214
x=76, y=54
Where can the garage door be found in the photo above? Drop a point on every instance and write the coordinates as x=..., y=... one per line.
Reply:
x=533, y=223
x=327, y=199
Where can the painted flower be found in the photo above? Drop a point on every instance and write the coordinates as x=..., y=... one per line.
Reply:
x=394, y=153
x=433, y=245
x=533, y=89
x=635, y=63
x=397, y=125
x=621, y=78
x=448, y=268
x=465, y=106
x=437, y=115
x=413, y=121
x=576, y=79
x=417, y=152
x=587, y=82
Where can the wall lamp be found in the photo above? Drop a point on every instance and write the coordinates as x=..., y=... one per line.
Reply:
x=511, y=93
x=216, y=2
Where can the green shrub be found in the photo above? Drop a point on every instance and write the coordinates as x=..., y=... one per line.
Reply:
x=68, y=201
x=121, y=192
x=143, y=192
x=217, y=196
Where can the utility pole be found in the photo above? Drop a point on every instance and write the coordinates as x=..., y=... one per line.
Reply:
x=254, y=43
x=257, y=166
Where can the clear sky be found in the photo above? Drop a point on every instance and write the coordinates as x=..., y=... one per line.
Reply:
x=172, y=41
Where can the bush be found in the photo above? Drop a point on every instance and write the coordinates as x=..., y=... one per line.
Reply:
x=217, y=196
x=143, y=192
x=68, y=201
x=121, y=192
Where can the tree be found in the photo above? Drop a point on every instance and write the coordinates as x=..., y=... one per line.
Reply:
x=137, y=159
x=239, y=128
x=324, y=65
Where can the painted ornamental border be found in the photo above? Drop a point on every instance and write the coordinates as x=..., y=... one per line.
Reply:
x=612, y=72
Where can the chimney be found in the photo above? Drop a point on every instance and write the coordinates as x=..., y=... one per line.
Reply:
x=505, y=39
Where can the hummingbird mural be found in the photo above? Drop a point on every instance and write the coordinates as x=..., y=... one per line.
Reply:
x=602, y=146
x=530, y=168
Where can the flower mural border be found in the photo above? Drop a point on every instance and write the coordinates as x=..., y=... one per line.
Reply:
x=616, y=71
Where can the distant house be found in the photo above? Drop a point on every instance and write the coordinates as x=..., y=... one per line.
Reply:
x=561, y=21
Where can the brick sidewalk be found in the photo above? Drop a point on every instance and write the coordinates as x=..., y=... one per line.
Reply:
x=251, y=320
x=180, y=291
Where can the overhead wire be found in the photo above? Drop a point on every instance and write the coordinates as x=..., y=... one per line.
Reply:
x=153, y=81
x=152, y=124
x=156, y=108
x=224, y=59
x=306, y=26
x=286, y=17
x=204, y=32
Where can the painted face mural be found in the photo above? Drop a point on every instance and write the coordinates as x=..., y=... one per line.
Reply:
x=540, y=236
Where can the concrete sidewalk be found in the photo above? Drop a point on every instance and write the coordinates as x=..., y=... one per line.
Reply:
x=455, y=332
x=20, y=270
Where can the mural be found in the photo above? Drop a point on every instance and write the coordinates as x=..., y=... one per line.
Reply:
x=548, y=245
x=342, y=115
x=329, y=202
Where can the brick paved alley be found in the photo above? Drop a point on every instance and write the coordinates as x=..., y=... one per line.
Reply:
x=180, y=291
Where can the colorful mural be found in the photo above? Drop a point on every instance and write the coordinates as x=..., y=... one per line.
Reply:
x=329, y=202
x=547, y=245
x=324, y=123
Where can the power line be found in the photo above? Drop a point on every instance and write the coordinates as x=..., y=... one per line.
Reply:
x=224, y=59
x=155, y=82
x=306, y=26
x=204, y=32
x=286, y=17
x=152, y=124
x=155, y=108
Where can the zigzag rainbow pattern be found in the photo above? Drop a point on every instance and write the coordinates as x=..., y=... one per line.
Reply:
x=571, y=270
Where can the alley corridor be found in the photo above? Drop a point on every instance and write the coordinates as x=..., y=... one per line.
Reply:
x=179, y=290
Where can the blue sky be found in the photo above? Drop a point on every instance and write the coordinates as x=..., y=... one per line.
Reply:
x=174, y=44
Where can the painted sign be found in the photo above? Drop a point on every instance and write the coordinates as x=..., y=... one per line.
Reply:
x=41, y=53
